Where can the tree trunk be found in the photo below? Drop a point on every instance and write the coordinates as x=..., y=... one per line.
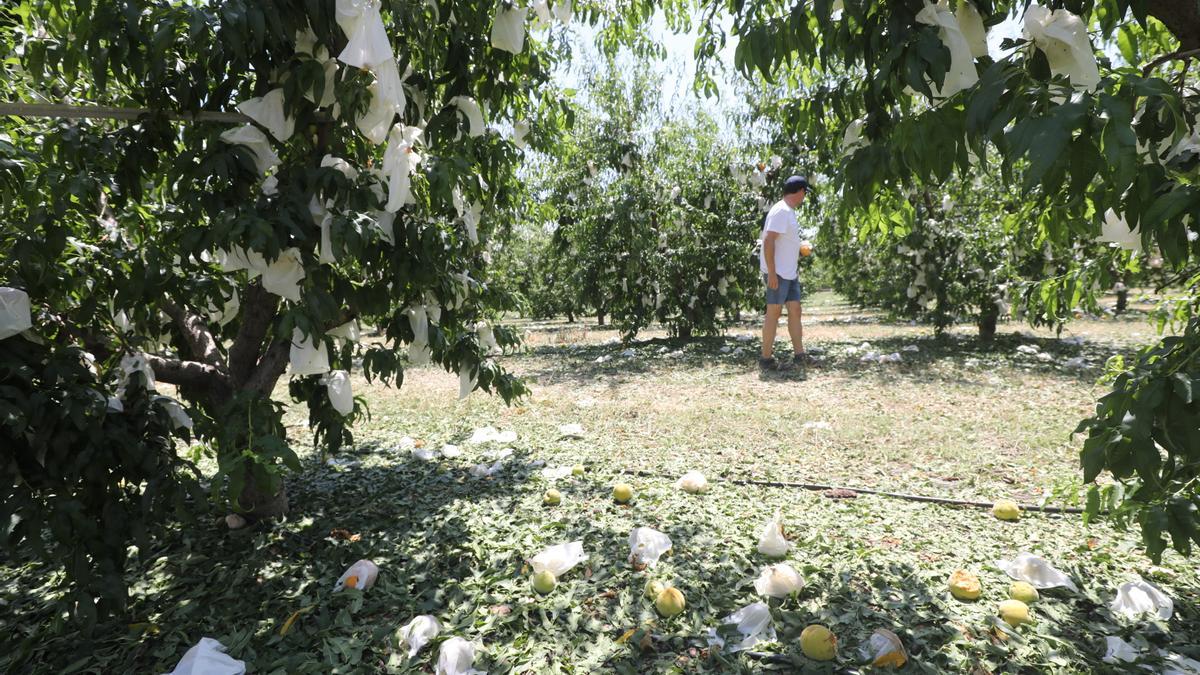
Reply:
x=987, y=322
x=259, y=503
x=685, y=331
x=570, y=316
x=600, y=317
x=1122, y=301
x=1181, y=17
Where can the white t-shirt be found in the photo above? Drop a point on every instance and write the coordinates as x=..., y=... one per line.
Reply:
x=782, y=219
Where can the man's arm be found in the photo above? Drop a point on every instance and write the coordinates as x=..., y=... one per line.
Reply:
x=769, y=257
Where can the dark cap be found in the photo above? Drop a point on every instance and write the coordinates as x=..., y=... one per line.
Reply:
x=795, y=184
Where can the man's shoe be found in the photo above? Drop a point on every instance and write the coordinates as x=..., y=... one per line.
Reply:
x=773, y=364
x=804, y=359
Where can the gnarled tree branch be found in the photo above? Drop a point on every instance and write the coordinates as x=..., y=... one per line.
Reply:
x=185, y=373
x=258, y=311
x=269, y=369
x=196, y=334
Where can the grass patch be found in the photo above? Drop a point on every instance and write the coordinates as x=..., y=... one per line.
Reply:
x=954, y=419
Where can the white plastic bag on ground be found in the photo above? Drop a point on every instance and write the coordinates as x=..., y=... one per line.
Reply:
x=484, y=470
x=647, y=545
x=1139, y=596
x=417, y=633
x=692, y=482
x=456, y=658
x=1063, y=38
x=753, y=622
x=571, y=430
x=308, y=356
x=268, y=112
x=425, y=454
x=254, y=140
x=15, y=316
x=771, y=541
x=483, y=435
x=360, y=575
x=451, y=451
x=208, y=657
x=508, y=29
x=558, y=559
x=337, y=385
x=1177, y=664
x=1035, y=570
x=1117, y=650
x=778, y=581
x=556, y=472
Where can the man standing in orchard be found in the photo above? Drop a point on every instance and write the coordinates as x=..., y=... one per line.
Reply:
x=779, y=261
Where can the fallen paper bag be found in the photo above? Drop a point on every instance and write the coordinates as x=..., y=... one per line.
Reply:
x=778, y=581
x=647, y=545
x=1142, y=597
x=1035, y=570
x=558, y=559
x=772, y=542
x=360, y=575
x=571, y=430
x=456, y=658
x=753, y=624
x=1117, y=650
x=417, y=633
x=208, y=657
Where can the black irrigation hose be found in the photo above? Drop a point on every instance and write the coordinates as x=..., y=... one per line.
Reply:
x=869, y=491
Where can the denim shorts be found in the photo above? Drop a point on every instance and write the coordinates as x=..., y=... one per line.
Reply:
x=789, y=290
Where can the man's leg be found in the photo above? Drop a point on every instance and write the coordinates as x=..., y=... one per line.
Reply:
x=770, y=324
x=795, y=328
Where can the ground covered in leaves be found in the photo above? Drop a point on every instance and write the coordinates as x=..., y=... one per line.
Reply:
x=952, y=419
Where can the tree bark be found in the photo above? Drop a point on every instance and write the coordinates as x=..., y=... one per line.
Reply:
x=258, y=311
x=987, y=322
x=1181, y=17
x=185, y=373
x=196, y=334
x=259, y=503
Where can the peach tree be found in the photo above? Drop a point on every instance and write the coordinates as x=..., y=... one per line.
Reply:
x=202, y=200
x=1091, y=113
